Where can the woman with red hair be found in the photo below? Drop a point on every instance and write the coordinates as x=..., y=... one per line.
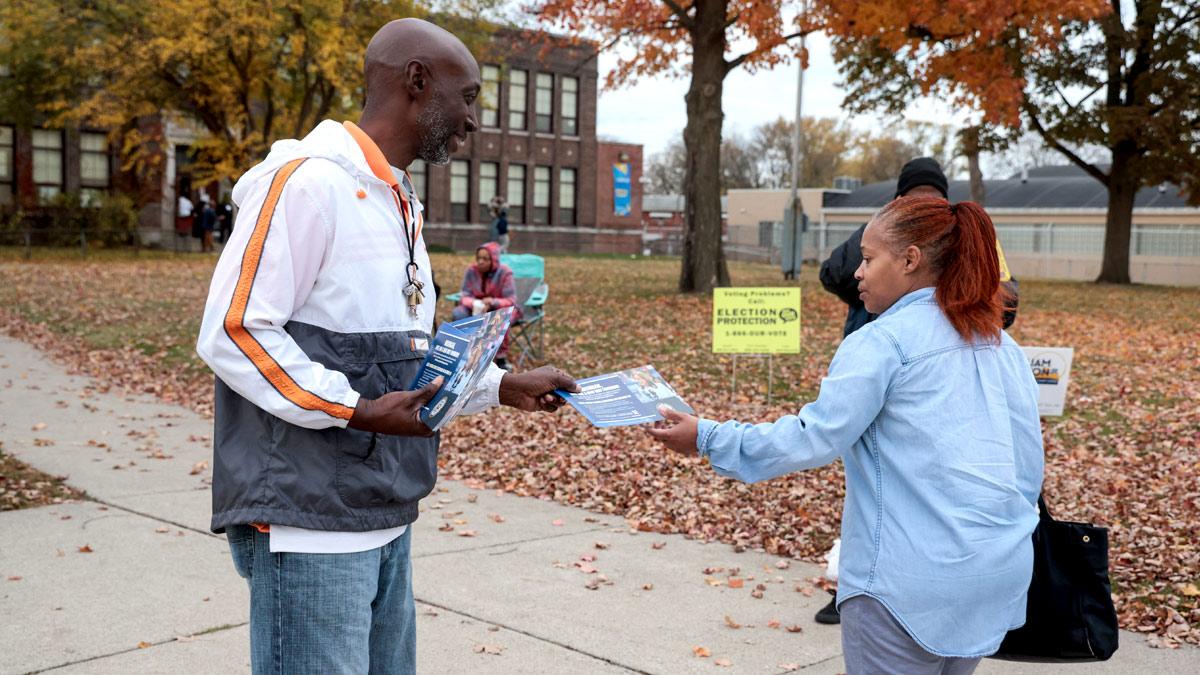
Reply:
x=933, y=410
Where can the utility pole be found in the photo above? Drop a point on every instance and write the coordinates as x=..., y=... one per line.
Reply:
x=797, y=209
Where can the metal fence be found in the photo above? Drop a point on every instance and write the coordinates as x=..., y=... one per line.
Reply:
x=1050, y=239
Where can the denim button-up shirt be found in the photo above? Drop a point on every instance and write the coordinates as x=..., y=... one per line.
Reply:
x=942, y=448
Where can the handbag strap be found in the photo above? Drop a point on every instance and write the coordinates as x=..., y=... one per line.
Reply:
x=1043, y=510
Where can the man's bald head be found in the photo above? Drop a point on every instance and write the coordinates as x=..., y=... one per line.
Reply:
x=422, y=83
x=401, y=41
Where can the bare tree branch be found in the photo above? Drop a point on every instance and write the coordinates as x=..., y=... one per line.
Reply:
x=1053, y=142
x=739, y=60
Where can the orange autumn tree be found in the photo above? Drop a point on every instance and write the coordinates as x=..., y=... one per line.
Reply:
x=679, y=37
x=1117, y=74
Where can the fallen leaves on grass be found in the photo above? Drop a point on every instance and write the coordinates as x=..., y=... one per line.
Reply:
x=1124, y=456
x=22, y=486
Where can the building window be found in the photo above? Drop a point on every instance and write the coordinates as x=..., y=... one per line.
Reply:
x=518, y=86
x=489, y=97
x=566, y=196
x=460, y=188
x=541, y=195
x=47, y=163
x=418, y=174
x=544, y=103
x=489, y=188
x=7, y=171
x=570, y=106
x=516, y=193
x=95, y=167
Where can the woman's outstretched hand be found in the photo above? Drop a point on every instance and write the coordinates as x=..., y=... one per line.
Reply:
x=681, y=435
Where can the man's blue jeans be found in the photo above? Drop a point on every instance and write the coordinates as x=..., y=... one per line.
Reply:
x=327, y=612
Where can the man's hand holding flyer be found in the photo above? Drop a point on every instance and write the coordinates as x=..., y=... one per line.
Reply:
x=460, y=353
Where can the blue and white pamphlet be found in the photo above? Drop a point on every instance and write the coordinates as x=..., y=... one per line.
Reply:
x=460, y=353
x=625, y=398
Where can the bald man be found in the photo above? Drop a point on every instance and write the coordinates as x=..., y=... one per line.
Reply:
x=319, y=314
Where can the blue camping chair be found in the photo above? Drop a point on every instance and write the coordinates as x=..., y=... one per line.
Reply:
x=529, y=276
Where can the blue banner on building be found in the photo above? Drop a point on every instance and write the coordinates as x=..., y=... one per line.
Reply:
x=621, y=189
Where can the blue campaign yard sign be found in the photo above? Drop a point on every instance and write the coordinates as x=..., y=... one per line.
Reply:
x=621, y=189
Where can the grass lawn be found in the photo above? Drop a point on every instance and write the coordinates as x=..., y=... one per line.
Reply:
x=1126, y=454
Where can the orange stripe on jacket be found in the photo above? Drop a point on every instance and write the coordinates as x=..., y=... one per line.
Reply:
x=235, y=318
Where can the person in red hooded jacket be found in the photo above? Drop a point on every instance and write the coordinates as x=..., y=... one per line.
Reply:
x=488, y=285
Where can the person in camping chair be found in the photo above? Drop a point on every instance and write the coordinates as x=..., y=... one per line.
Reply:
x=488, y=285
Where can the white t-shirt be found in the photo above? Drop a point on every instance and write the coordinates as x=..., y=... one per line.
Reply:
x=286, y=539
x=185, y=207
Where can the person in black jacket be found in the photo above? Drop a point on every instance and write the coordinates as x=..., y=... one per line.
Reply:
x=920, y=177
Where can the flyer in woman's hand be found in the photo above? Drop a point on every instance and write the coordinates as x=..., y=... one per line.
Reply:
x=460, y=353
x=625, y=398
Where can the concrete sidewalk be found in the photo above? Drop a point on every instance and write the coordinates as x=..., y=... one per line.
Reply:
x=504, y=584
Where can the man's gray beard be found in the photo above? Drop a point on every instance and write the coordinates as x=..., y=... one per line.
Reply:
x=435, y=136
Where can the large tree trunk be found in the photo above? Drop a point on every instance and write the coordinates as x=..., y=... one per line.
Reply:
x=1123, y=184
x=703, y=256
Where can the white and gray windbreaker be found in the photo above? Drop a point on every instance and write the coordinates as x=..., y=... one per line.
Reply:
x=305, y=315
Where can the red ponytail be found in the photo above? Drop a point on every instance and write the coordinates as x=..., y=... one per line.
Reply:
x=958, y=242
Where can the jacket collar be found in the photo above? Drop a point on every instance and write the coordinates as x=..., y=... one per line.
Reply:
x=375, y=160
x=908, y=299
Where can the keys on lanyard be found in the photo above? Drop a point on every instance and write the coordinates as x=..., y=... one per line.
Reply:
x=412, y=290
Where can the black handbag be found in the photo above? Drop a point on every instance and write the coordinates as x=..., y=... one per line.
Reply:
x=1070, y=615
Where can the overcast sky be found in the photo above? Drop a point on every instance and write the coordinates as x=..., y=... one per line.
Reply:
x=652, y=112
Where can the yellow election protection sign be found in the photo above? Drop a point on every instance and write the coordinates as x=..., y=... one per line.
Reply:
x=756, y=321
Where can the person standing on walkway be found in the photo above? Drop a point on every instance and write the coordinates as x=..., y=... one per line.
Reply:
x=225, y=219
x=184, y=215
x=920, y=177
x=502, y=229
x=933, y=410
x=207, y=223
x=319, y=314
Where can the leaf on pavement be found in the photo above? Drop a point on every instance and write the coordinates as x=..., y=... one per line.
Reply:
x=493, y=650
